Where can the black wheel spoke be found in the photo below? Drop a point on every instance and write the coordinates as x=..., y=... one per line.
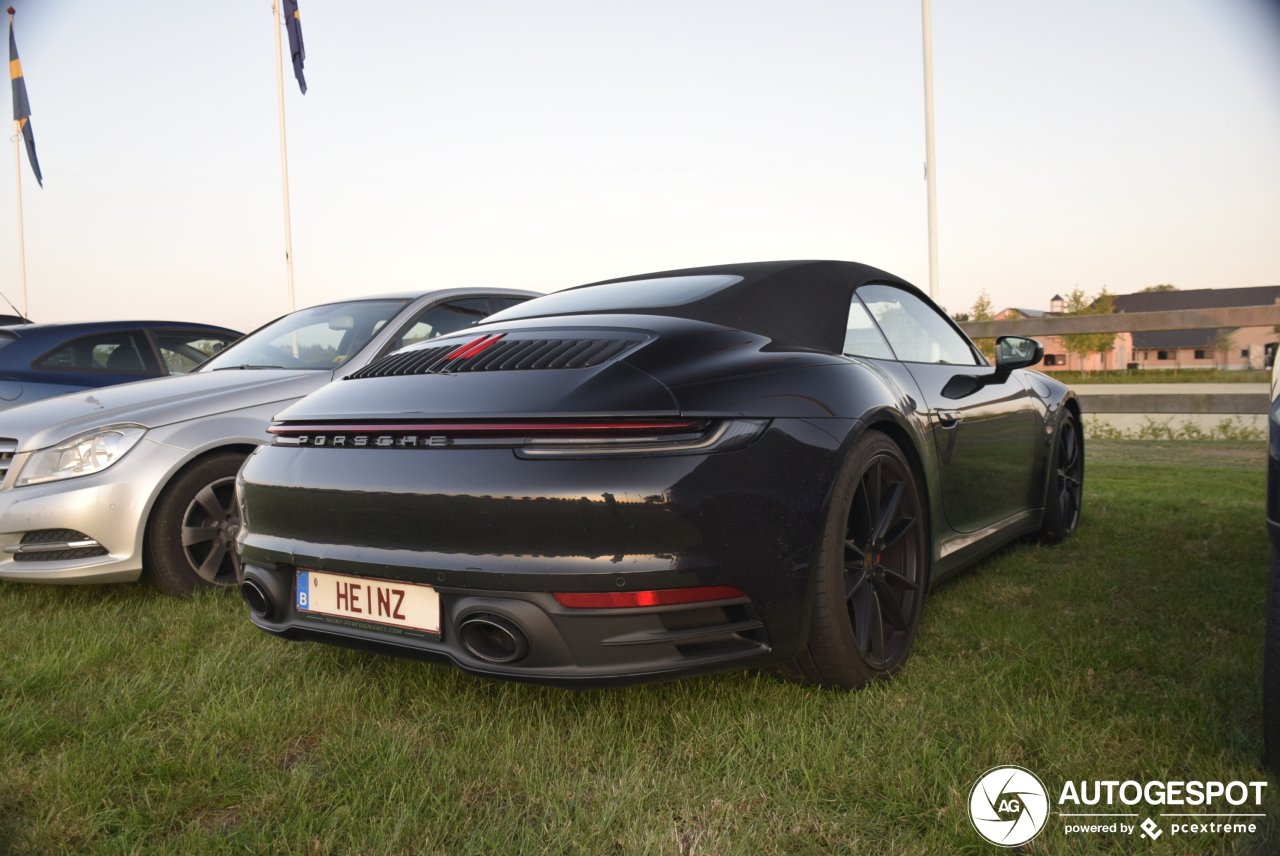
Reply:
x=1071, y=448
x=889, y=606
x=888, y=511
x=853, y=581
x=874, y=486
x=899, y=529
x=849, y=545
x=199, y=534
x=897, y=580
x=876, y=648
x=864, y=605
x=1066, y=504
x=1070, y=506
x=866, y=519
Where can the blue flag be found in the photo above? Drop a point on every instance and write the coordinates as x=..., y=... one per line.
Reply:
x=293, y=25
x=21, y=107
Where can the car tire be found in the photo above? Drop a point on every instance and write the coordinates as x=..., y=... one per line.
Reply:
x=193, y=527
x=1271, y=670
x=871, y=574
x=1065, y=495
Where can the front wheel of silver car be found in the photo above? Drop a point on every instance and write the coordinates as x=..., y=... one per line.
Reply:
x=192, y=529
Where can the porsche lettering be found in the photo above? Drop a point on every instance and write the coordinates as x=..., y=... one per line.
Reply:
x=373, y=441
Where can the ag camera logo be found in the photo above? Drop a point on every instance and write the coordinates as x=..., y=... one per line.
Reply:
x=1008, y=806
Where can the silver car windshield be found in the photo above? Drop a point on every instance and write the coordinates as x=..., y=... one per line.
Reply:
x=322, y=337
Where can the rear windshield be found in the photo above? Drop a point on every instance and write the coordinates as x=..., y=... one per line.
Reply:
x=612, y=296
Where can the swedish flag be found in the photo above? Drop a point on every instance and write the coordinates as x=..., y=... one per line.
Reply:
x=21, y=107
x=293, y=26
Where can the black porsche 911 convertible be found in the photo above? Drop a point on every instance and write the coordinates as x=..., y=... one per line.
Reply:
x=763, y=464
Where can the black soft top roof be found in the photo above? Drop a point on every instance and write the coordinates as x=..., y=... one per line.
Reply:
x=800, y=305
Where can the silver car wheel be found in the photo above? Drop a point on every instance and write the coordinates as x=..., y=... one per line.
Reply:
x=209, y=528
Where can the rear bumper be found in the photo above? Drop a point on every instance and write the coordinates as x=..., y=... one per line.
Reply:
x=495, y=533
x=566, y=647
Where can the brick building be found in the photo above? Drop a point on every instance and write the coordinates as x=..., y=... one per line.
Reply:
x=1241, y=348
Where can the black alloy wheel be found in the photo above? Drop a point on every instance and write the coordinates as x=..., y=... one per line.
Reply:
x=882, y=564
x=872, y=571
x=1066, y=482
x=193, y=528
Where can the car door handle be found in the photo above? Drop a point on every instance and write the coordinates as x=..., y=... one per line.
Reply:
x=949, y=418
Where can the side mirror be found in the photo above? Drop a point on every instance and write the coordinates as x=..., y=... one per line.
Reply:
x=1017, y=352
x=1012, y=352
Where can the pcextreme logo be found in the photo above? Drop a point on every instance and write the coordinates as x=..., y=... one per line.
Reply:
x=1010, y=805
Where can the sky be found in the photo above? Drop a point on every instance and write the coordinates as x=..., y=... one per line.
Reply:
x=1117, y=143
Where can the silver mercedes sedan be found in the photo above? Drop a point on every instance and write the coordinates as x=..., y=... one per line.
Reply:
x=102, y=485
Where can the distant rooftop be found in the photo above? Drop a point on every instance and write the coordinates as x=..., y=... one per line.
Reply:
x=1197, y=298
x=1176, y=339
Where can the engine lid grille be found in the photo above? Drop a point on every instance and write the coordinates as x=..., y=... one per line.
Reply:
x=499, y=352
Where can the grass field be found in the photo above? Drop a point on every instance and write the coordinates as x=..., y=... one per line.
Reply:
x=1074, y=378
x=131, y=723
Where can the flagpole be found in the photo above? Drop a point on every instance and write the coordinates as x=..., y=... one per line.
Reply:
x=284, y=155
x=17, y=176
x=930, y=166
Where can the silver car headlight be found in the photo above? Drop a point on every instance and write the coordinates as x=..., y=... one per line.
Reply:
x=81, y=455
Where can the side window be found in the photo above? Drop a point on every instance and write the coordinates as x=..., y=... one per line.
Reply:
x=183, y=350
x=442, y=319
x=861, y=338
x=501, y=303
x=917, y=331
x=114, y=353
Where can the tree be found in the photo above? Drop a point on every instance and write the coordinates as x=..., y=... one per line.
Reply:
x=1084, y=344
x=1222, y=341
x=1167, y=286
x=982, y=311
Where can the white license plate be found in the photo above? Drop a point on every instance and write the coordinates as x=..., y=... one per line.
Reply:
x=387, y=602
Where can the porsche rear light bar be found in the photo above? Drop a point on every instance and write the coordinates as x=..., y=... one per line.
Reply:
x=721, y=436
x=567, y=428
x=657, y=597
x=567, y=438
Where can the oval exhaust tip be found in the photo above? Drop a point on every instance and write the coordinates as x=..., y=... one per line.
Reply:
x=493, y=638
x=257, y=598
